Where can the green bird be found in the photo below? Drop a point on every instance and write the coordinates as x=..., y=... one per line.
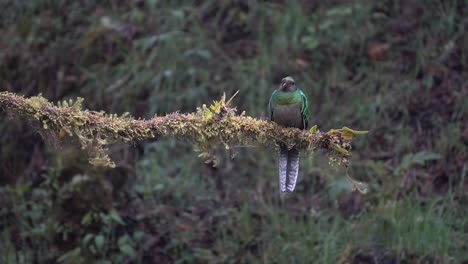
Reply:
x=288, y=107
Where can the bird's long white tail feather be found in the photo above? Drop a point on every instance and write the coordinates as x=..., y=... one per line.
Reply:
x=283, y=169
x=293, y=169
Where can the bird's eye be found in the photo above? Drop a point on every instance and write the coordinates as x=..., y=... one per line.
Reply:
x=293, y=83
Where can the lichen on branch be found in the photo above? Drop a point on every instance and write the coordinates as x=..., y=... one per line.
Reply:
x=208, y=126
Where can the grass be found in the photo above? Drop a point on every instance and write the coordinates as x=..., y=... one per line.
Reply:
x=149, y=57
x=279, y=231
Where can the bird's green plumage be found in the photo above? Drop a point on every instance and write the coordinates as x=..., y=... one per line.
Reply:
x=288, y=107
x=292, y=100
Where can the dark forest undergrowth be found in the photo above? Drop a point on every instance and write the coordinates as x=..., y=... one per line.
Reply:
x=396, y=68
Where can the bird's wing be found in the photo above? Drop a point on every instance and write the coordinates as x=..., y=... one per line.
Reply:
x=305, y=109
x=270, y=106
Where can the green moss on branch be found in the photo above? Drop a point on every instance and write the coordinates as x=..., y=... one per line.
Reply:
x=208, y=126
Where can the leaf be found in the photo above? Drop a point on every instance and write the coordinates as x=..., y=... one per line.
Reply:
x=339, y=11
x=99, y=241
x=216, y=106
x=126, y=249
x=348, y=133
x=125, y=246
x=87, y=238
x=114, y=215
x=313, y=129
x=326, y=25
x=423, y=156
x=419, y=158
x=72, y=254
x=311, y=42
x=340, y=149
x=355, y=132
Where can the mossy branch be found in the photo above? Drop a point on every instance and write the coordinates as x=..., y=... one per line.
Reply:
x=208, y=126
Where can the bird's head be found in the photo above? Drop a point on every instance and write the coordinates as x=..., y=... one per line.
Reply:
x=287, y=84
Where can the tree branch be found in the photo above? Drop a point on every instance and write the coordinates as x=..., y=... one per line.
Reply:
x=208, y=126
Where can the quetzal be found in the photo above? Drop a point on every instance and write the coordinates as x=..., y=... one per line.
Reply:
x=288, y=107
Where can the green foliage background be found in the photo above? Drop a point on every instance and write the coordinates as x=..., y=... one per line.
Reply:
x=396, y=68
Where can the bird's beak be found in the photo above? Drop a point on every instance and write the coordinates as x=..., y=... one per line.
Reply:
x=283, y=85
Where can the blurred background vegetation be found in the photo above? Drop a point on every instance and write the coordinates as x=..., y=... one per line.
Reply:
x=396, y=68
